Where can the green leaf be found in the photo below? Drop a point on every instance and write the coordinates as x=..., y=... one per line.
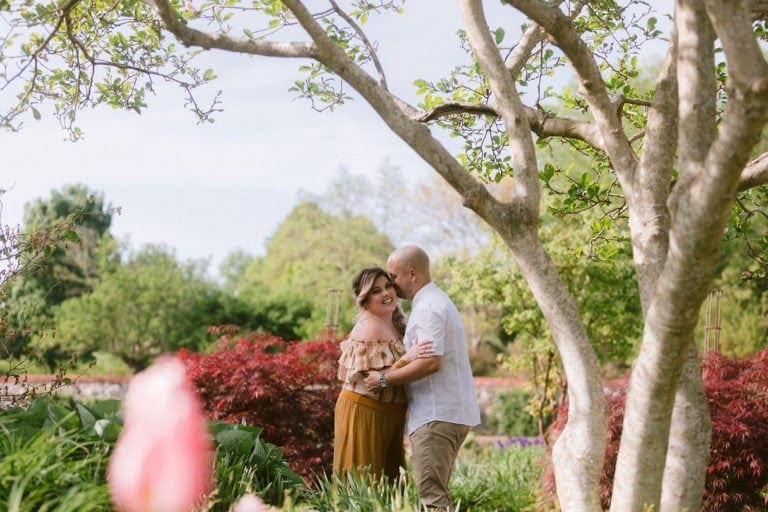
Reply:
x=498, y=35
x=107, y=430
x=235, y=441
x=106, y=408
x=87, y=418
x=547, y=173
x=35, y=112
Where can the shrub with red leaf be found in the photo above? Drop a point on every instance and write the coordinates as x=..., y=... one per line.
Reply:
x=615, y=398
x=287, y=388
x=737, y=475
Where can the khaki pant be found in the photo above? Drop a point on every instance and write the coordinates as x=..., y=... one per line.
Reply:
x=434, y=447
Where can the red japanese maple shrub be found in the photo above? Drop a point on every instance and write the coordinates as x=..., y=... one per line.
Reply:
x=737, y=475
x=287, y=388
x=615, y=401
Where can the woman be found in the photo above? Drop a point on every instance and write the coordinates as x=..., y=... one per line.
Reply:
x=369, y=425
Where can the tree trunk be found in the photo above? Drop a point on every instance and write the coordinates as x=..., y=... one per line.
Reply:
x=578, y=453
x=688, y=452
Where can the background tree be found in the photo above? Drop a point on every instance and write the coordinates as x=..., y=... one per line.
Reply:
x=428, y=213
x=678, y=154
x=311, y=252
x=149, y=305
x=22, y=254
x=69, y=272
x=66, y=270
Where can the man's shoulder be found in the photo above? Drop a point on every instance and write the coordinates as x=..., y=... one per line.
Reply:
x=434, y=296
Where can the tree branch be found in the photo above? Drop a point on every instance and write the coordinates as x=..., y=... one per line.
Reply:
x=400, y=117
x=755, y=173
x=647, y=198
x=533, y=35
x=371, y=50
x=526, y=187
x=63, y=12
x=452, y=108
x=193, y=37
x=747, y=110
x=542, y=124
x=660, y=142
x=559, y=26
x=516, y=60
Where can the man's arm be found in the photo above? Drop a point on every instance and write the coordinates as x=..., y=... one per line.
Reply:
x=413, y=371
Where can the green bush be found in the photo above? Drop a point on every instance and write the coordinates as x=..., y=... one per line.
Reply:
x=500, y=479
x=509, y=415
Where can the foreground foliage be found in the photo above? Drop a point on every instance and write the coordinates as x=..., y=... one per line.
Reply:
x=244, y=463
x=54, y=457
x=737, y=473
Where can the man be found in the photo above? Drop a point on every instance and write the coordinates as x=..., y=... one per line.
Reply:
x=442, y=403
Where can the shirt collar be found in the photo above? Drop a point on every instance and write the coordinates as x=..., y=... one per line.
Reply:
x=423, y=291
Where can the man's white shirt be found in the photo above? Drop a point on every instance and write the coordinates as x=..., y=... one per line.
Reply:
x=449, y=394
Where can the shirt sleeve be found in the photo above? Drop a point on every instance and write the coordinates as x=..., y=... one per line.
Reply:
x=431, y=325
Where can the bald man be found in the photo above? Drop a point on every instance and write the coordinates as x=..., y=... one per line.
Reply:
x=442, y=403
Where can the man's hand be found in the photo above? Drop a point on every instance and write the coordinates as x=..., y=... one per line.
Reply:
x=372, y=380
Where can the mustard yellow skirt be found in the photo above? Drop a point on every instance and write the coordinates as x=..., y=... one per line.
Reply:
x=369, y=433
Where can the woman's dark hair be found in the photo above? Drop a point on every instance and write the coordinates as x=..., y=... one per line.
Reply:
x=361, y=286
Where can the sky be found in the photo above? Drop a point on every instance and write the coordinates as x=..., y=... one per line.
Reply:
x=205, y=190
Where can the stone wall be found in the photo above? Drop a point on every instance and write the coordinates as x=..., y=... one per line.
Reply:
x=87, y=387
x=81, y=388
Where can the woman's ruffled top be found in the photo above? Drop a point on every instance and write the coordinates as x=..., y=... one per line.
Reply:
x=358, y=356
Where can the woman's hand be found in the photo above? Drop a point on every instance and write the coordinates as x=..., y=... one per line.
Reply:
x=419, y=349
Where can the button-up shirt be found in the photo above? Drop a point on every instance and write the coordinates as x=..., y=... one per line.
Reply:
x=449, y=394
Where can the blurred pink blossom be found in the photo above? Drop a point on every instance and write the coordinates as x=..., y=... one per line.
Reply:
x=163, y=460
x=251, y=503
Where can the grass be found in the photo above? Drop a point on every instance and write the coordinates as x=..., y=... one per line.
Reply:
x=501, y=478
x=52, y=471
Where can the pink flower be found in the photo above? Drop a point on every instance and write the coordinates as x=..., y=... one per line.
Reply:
x=163, y=459
x=251, y=503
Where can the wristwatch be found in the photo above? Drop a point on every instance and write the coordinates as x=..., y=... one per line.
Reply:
x=383, y=384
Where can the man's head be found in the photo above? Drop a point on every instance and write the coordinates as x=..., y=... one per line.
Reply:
x=408, y=268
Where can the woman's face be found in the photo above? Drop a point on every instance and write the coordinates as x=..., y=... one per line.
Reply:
x=382, y=300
